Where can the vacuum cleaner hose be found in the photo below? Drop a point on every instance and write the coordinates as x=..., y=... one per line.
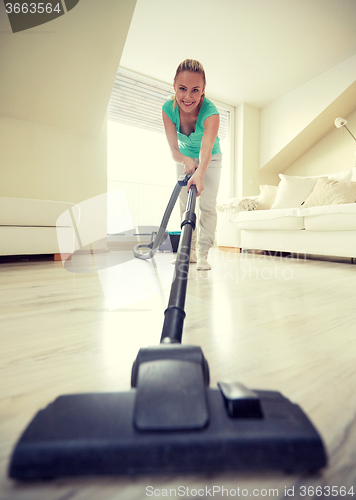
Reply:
x=153, y=246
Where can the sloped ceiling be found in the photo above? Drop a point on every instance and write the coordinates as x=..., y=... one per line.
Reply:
x=61, y=73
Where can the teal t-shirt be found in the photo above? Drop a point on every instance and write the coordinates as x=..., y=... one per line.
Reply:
x=190, y=146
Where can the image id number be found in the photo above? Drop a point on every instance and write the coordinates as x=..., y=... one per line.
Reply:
x=326, y=491
x=32, y=8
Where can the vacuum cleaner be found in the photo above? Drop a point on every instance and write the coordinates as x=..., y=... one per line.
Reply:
x=170, y=421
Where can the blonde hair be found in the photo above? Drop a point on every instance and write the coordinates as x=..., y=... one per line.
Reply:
x=189, y=65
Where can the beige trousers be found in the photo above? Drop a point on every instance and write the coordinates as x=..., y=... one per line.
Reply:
x=204, y=233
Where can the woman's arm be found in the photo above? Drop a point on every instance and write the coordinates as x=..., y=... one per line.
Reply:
x=211, y=128
x=171, y=133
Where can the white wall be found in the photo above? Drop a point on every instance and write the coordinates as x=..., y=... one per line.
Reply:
x=55, y=85
x=335, y=152
x=247, y=150
x=49, y=163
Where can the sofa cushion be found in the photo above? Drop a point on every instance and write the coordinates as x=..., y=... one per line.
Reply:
x=266, y=198
x=293, y=190
x=29, y=212
x=329, y=192
x=279, y=219
x=331, y=218
x=343, y=176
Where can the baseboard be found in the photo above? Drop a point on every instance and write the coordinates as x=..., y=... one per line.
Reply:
x=230, y=249
x=62, y=256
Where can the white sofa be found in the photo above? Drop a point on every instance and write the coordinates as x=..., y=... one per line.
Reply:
x=303, y=215
x=29, y=227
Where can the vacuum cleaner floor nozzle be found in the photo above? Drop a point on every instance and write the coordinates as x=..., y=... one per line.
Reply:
x=93, y=434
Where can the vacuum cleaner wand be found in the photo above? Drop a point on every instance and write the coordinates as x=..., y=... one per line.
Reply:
x=170, y=421
x=174, y=314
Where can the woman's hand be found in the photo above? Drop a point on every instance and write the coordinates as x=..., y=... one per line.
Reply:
x=198, y=180
x=189, y=165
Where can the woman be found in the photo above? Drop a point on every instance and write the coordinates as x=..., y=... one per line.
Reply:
x=191, y=123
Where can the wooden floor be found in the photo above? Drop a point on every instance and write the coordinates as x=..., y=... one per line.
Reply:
x=266, y=321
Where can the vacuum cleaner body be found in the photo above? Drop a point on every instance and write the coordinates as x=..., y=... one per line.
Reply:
x=170, y=421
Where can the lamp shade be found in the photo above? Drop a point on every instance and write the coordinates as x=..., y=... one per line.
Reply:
x=340, y=122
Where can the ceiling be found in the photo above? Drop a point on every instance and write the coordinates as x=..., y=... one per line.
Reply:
x=253, y=51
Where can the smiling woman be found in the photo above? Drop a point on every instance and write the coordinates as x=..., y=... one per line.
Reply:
x=148, y=176
x=191, y=123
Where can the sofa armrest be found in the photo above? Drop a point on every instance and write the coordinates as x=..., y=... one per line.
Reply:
x=228, y=233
